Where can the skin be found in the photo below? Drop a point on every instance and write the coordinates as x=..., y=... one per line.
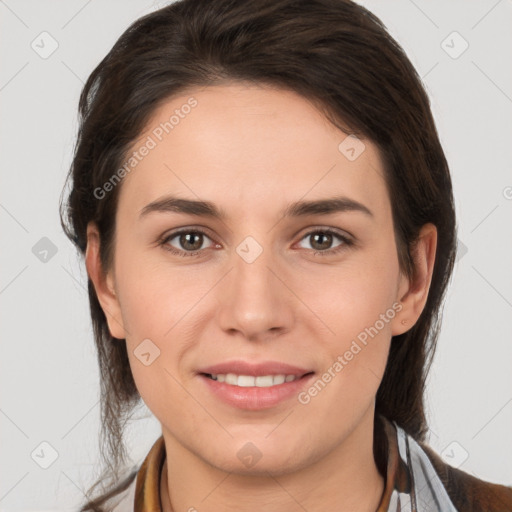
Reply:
x=251, y=150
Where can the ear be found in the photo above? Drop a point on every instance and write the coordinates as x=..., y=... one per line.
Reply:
x=103, y=283
x=413, y=293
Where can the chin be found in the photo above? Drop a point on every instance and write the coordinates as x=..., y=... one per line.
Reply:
x=275, y=465
x=260, y=456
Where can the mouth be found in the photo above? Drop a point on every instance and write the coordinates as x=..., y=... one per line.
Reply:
x=252, y=386
x=259, y=381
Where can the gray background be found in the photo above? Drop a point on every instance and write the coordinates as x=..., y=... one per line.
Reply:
x=49, y=378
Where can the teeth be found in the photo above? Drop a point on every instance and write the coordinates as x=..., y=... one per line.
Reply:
x=246, y=381
x=279, y=379
x=231, y=378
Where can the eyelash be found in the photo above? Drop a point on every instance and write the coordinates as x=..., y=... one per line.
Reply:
x=165, y=241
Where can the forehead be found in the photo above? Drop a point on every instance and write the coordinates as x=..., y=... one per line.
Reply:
x=249, y=146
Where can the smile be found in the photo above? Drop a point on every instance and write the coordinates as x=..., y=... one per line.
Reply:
x=255, y=392
x=247, y=381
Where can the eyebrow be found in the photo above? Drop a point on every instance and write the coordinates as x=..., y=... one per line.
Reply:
x=296, y=209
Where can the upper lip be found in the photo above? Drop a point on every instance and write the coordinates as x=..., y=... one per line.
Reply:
x=264, y=368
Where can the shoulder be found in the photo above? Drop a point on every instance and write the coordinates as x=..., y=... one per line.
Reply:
x=468, y=492
x=424, y=478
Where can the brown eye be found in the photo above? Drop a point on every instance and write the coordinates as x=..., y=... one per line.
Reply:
x=321, y=241
x=185, y=242
x=191, y=241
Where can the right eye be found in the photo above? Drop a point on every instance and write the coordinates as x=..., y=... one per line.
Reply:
x=190, y=240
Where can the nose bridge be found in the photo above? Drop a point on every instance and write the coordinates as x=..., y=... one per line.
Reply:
x=254, y=300
x=252, y=277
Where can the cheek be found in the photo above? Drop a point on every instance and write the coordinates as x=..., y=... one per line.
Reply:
x=160, y=310
x=356, y=304
x=351, y=298
x=154, y=295
x=355, y=356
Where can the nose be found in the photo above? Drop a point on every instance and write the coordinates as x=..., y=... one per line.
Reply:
x=255, y=299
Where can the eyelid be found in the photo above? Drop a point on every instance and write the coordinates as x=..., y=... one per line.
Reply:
x=330, y=229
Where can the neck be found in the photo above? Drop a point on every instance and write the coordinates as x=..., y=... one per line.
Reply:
x=347, y=479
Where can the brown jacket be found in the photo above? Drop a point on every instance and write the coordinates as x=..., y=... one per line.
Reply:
x=420, y=480
x=469, y=493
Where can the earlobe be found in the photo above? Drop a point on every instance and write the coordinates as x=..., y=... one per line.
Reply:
x=103, y=283
x=413, y=293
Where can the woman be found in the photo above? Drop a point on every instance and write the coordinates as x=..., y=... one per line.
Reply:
x=267, y=221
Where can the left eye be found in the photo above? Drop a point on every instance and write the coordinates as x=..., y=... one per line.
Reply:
x=323, y=239
x=190, y=241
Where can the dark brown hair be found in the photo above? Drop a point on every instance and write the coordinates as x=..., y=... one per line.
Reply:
x=334, y=53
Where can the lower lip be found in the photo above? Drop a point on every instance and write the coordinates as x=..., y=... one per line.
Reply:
x=255, y=398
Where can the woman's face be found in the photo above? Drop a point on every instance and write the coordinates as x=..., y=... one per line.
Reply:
x=270, y=283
